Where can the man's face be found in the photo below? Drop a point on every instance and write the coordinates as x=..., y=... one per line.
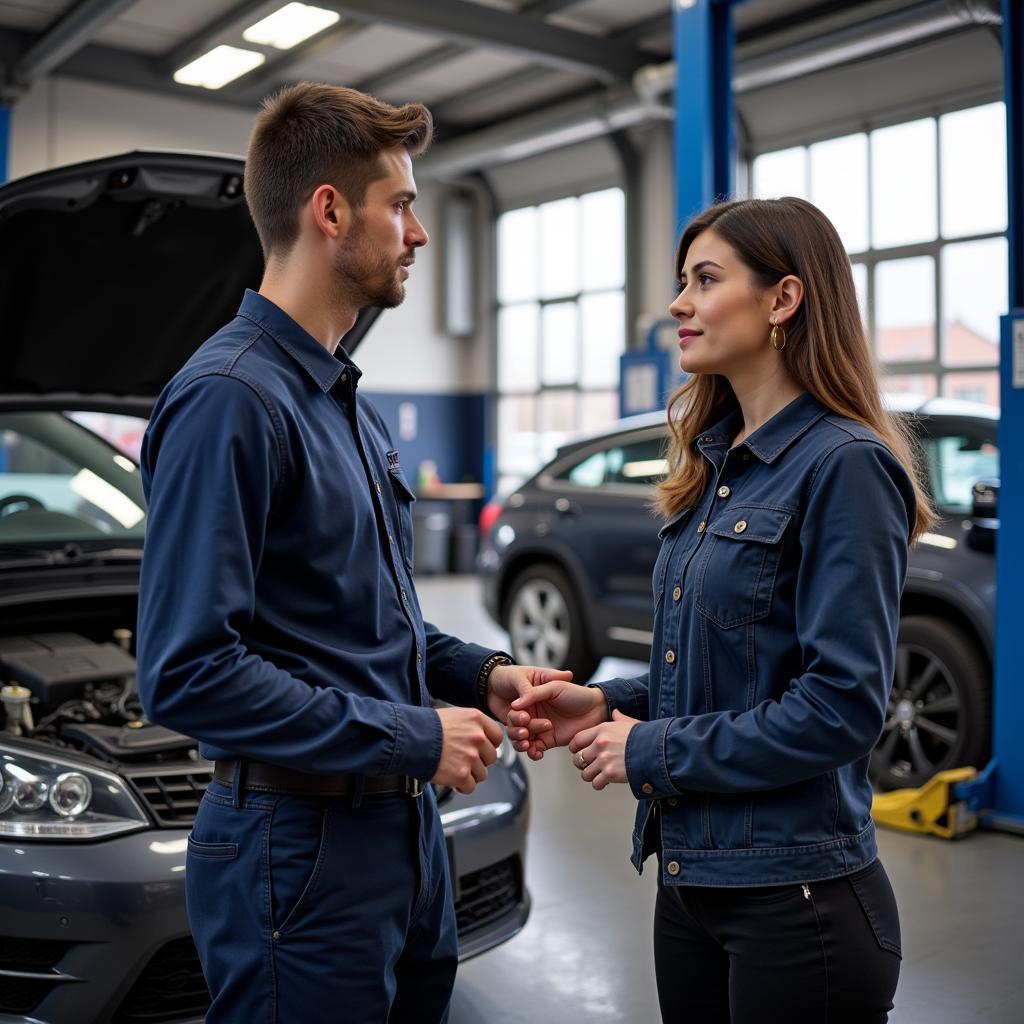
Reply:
x=378, y=251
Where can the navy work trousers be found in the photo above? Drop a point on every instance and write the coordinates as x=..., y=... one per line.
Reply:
x=824, y=953
x=316, y=909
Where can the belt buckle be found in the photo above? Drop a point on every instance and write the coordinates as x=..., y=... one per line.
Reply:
x=413, y=787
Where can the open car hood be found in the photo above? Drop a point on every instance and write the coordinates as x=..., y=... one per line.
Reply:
x=115, y=271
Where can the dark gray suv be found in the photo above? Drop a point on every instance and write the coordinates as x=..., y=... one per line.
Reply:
x=113, y=272
x=567, y=561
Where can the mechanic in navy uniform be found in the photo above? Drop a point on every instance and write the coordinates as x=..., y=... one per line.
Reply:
x=278, y=620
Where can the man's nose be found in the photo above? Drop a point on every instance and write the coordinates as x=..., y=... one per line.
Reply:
x=417, y=234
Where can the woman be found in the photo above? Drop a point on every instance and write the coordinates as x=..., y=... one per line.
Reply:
x=790, y=504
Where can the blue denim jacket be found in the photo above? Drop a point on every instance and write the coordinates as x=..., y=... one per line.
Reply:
x=277, y=614
x=777, y=607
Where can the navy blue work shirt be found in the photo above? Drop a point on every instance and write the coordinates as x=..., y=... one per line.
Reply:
x=278, y=619
x=777, y=602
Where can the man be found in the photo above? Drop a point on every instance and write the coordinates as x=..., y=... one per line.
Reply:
x=278, y=620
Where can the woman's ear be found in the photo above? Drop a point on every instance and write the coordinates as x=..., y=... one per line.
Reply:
x=790, y=293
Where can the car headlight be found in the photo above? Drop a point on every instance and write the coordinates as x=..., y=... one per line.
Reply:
x=43, y=797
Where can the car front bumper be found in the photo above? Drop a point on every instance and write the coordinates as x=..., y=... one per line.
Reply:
x=96, y=933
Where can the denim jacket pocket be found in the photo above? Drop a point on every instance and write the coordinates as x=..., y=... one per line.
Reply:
x=736, y=579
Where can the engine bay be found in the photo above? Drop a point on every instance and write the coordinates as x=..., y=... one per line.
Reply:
x=66, y=689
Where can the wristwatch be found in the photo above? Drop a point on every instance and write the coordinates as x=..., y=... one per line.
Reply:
x=482, y=677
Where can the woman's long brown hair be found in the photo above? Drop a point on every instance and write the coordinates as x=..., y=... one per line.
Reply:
x=827, y=353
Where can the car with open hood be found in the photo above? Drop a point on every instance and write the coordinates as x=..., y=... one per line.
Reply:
x=114, y=272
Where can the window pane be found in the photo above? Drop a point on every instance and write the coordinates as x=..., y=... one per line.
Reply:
x=588, y=473
x=598, y=409
x=560, y=248
x=972, y=387
x=839, y=187
x=517, y=255
x=973, y=170
x=603, y=220
x=560, y=347
x=974, y=295
x=603, y=337
x=956, y=463
x=905, y=310
x=517, y=347
x=923, y=384
x=517, y=436
x=903, y=184
x=557, y=420
x=642, y=462
x=782, y=173
x=860, y=282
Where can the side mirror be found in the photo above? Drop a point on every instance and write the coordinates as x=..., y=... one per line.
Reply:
x=984, y=515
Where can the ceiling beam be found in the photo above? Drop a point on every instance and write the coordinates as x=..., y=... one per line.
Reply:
x=69, y=34
x=655, y=25
x=200, y=41
x=471, y=24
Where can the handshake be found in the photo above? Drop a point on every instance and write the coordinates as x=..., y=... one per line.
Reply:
x=542, y=709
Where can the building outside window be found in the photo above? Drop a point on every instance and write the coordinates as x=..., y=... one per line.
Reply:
x=921, y=208
x=561, y=325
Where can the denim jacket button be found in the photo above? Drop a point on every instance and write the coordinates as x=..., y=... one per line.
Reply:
x=670, y=657
x=677, y=592
x=723, y=491
x=673, y=868
x=740, y=526
x=647, y=789
x=703, y=526
x=672, y=801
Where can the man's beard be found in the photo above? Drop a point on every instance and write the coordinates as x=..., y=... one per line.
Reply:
x=364, y=275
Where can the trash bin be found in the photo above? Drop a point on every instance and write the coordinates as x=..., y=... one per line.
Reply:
x=431, y=535
x=464, y=547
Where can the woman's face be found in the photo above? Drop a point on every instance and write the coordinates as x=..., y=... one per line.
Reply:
x=723, y=320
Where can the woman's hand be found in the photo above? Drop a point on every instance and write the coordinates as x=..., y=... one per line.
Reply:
x=600, y=752
x=551, y=714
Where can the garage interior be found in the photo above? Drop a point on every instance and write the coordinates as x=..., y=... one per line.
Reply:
x=554, y=192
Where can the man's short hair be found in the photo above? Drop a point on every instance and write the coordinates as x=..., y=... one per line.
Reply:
x=311, y=134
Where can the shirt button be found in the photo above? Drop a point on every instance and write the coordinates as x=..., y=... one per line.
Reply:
x=724, y=492
x=740, y=526
x=703, y=526
x=276, y=936
x=405, y=596
x=647, y=789
x=672, y=801
x=376, y=484
x=419, y=657
x=677, y=593
x=670, y=657
x=391, y=540
x=746, y=456
x=344, y=376
x=673, y=868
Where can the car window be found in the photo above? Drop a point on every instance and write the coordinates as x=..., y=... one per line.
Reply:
x=60, y=482
x=958, y=453
x=640, y=462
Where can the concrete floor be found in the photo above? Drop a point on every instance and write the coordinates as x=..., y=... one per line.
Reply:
x=584, y=954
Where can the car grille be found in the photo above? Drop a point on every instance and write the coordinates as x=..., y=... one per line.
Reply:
x=171, y=988
x=172, y=795
x=488, y=894
x=28, y=956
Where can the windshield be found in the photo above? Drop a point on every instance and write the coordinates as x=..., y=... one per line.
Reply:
x=61, y=483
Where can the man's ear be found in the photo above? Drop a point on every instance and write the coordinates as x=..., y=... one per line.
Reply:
x=330, y=212
x=787, y=300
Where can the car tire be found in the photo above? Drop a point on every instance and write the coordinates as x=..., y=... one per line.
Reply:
x=545, y=623
x=939, y=711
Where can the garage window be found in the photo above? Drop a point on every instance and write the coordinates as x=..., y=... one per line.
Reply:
x=921, y=208
x=561, y=325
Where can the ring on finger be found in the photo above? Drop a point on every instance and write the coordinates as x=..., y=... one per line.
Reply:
x=582, y=760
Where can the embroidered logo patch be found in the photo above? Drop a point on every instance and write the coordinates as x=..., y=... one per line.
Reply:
x=393, y=460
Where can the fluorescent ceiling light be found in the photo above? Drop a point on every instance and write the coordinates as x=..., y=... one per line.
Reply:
x=290, y=25
x=221, y=65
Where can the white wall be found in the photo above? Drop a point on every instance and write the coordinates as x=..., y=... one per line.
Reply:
x=65, y=120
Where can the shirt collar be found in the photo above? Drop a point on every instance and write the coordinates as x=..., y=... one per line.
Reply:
x=771, y=439
x=323, y=367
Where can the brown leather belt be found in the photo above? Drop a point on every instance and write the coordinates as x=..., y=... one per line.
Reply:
x=261, y=777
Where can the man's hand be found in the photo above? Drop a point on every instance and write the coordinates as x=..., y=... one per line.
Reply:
x=600, y=753
x=470, y=744
x=507, y=683
x=551, y=714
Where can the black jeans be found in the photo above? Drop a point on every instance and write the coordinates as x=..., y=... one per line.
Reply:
x=824, y=953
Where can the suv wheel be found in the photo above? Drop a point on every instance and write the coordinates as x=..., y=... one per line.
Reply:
x=938, y=714
x=545, y=625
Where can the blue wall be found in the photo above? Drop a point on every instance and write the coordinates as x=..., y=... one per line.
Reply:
x=450, y=431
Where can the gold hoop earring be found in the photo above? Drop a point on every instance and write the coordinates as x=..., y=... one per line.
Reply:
x=777, y=337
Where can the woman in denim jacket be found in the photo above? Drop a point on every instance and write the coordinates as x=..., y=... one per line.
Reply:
x=790, y=504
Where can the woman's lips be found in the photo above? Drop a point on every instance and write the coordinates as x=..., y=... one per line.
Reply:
x=685, y=336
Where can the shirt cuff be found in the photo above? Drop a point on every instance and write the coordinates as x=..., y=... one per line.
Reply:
x=418, y=742
x=646, y=761
x=623, y=696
